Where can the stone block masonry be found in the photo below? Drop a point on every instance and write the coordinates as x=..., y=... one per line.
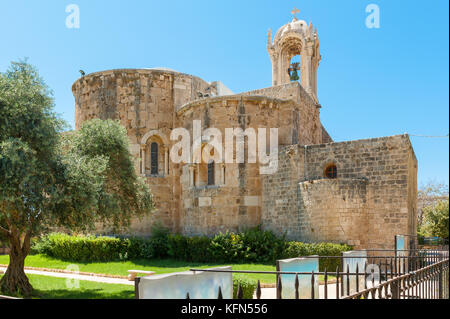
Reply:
x=371, y=200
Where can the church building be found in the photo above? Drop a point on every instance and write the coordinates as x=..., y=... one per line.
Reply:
x=360, y=192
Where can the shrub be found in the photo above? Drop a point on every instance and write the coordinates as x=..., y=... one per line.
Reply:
x=262, y=246
x=248, y=286
x=194, y=249
x=298, y=249
x=198, y=249
x=252, y=245
x=159, y=240
x=139, y=247
x=82, y=248
x=41, y=245
x=228, y=247
x=148, y=247
x=178, y=247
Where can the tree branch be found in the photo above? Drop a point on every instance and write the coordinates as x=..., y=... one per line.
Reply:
x=4, y=230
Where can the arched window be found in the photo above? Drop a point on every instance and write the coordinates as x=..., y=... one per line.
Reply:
x=331, y=171
x=154, y=159
x=211, y=173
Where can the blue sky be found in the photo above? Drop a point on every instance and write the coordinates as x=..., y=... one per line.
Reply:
x=371, y=82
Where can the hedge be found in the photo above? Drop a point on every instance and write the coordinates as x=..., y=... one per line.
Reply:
x=250, y=246
x=82, y=248
x=248, y=286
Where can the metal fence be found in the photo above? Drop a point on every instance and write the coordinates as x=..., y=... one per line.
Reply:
x=429, y=282
x=414, y=274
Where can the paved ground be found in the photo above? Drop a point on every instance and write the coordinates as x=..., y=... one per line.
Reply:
x=271, y=293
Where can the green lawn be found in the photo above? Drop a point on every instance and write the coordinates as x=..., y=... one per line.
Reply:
x=160, y=266
x=46, y=287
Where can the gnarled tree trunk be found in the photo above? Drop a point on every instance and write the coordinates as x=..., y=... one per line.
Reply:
x=15, y=282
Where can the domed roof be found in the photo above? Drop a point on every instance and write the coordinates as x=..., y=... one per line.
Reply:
x=295, y=26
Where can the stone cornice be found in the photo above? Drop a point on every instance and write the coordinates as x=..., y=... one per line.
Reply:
x=269, y=101
x=132, y=71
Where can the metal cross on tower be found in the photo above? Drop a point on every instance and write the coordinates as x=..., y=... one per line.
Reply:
x=294, y=12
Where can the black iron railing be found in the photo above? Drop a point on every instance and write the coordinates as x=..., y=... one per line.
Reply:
x=421, y=274
x=429, y=282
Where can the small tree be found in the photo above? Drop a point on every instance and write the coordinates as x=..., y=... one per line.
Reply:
x=428, y=195
x=52, y=180
x=436, y=220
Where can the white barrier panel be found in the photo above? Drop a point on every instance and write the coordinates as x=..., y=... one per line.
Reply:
x=351, y=259
x=199, y=285
x=288, y=281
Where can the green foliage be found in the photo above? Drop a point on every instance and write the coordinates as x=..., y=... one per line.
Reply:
x=50, y=179
x=156, y=246
x=262, y=246
x=228, y=247
x=196, y=249
x=199, y=249
x=298, y=249
x=248, y=286
x=140, y=248
x=420, y=238
x=251, y=245
x=222, y=248
x=83, y=248
x=428, y=196
x=30, y=173
x=122, y=194
x=436, y=220
x=179, y=247
x=160, y=240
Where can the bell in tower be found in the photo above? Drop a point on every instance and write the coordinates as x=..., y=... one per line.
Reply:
x=293, y=71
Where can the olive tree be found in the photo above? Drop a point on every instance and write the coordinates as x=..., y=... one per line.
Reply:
x=52, y=179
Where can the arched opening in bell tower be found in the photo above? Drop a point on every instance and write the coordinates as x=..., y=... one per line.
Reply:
x=290, y=59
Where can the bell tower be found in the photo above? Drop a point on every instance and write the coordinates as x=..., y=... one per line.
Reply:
x=296, y=38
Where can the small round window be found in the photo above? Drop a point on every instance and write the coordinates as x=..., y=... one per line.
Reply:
x=331, y=171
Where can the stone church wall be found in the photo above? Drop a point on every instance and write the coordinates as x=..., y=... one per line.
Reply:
x=372, y=199
x=235, y=201
x=307, y=111
x=333, y=210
